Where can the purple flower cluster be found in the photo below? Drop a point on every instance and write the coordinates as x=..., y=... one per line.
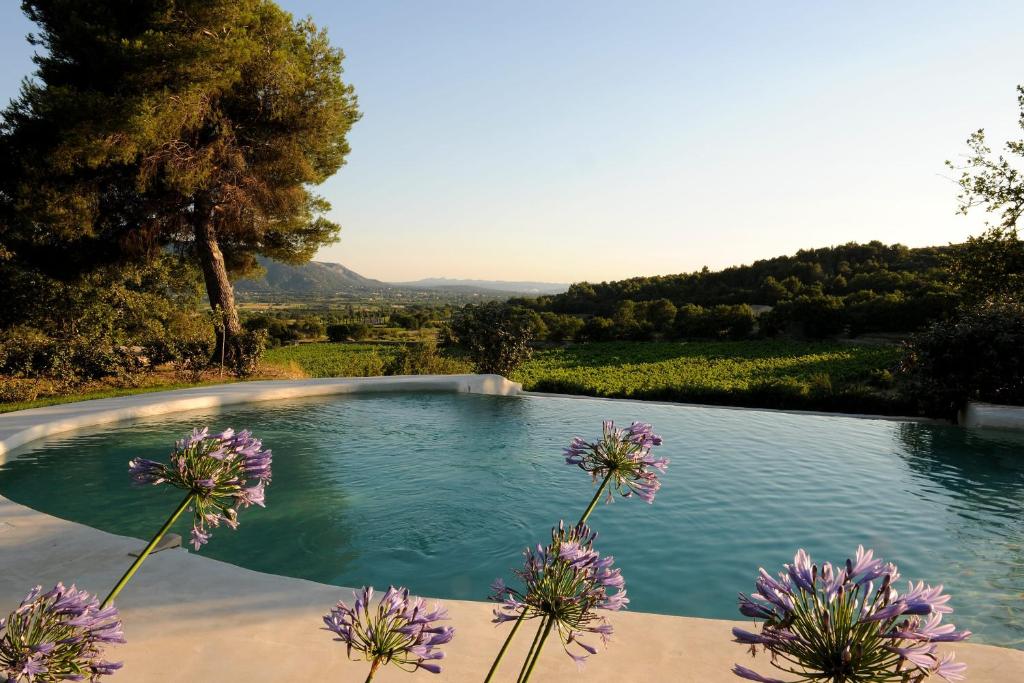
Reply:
x=623, y=456
x=833, y=623
x=58, y=635
x=565, y=581
x=398, y=630
x=223, y=472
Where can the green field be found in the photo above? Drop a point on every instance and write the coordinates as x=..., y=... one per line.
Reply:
x=775, y=374
x=333, y=360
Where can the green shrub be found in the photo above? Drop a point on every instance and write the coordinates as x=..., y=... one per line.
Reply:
x=780, y=392
x=187, y=343
x=495, y=336
x=249, y=348
x=814, y=316
x=598, y=329
x=18, y=390
x=421, y=357
x=347, y=332
x=820, y=384
x=718, y=322
x=561, y=327
x=978, y=355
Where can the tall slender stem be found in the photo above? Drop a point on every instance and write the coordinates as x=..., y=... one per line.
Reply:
x=146, y=551
x=540, y=646
x=522, y=616
x=504, y=647
x=373, y=670
x=533, y=648
x=597, y=497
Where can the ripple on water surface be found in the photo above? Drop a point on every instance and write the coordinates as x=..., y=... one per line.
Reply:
x=441, y=492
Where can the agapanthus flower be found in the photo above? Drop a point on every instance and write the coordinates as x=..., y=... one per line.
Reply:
x=624, y=455
x=223, y=472
x=849, y=623
x=397, y=630
x=58, y=635
x=565, y=582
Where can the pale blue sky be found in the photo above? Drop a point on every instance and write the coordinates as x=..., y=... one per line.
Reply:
x=593, y=140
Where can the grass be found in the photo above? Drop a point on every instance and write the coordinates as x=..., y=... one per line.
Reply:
x=334, y=360
x=91, y=394
x=768, y=374
x=762, y=373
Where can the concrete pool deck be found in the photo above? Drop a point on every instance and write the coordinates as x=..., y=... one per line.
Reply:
x=188, y=617
x=191, y=618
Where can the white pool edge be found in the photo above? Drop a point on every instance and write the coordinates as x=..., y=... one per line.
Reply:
x=25, y=426
x=715, y=406
x=167, y=619
x=980, y=415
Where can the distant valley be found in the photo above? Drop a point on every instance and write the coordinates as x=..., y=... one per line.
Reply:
x=323, y=280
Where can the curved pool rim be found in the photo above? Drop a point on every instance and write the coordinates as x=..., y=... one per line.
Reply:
x=989, y=663
x=21, y=427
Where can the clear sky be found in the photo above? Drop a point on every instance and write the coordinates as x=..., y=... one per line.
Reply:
x=568, y=140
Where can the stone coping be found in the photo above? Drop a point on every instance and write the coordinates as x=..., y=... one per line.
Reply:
x=24, y=426
x=189, y=618
x=991, y=415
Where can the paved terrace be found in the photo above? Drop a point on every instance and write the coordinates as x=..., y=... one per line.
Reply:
x=191, y=618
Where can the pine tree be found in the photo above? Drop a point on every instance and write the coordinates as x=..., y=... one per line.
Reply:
x=195, y=124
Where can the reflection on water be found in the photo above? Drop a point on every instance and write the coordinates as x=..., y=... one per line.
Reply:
x=981, y=472
x=441, y=492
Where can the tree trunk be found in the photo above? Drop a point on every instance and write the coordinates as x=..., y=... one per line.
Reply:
x=218, y=286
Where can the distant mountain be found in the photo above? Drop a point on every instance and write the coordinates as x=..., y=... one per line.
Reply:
x=532, y=288
x=320, y=279
x=316, y=278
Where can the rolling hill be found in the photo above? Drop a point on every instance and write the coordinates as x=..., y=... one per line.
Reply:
x=320, y=279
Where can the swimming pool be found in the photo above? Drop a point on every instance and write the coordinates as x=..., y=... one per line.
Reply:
x=441, y=491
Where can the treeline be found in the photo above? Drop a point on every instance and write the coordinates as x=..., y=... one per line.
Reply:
x=852, y=288
x=343, y=323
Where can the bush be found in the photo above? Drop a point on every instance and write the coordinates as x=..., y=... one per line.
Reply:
x=718, y=322
x=813, y=316
x=14, y=390
x=279, y=331
x=101, y=324
x=496, y=336
x=561, y=327
x=348, y=332
x=978, y=355
x=779, y=392
x=26, y=352
x=661, y=314
x=421, y=357
x=897, y=312
x=598, y=329
x=187, y=343
x=249, y=348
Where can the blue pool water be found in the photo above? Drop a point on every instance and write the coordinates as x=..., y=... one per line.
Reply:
x=441, y=492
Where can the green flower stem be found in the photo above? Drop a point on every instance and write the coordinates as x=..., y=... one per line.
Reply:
x=373, y=670
x=597, y=497
x=148, y=549
x=533, y=648
x=540, y=646
x=522, y=616
x=504, y=647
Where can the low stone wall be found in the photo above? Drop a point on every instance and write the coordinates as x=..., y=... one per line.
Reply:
x=23, y=426
x=978, y=414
